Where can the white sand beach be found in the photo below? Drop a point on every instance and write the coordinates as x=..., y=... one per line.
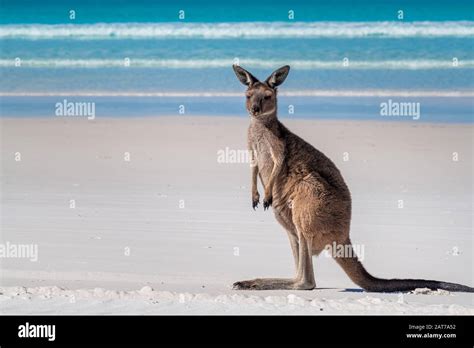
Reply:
x=135, y=216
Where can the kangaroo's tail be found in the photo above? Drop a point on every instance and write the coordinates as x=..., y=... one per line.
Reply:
x=358, y=274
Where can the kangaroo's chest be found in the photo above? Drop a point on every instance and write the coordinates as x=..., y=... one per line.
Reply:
x=264, y=160
x=261, y=143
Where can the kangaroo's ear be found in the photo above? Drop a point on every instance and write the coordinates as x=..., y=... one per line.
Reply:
x=278, y=76
x=244, y=76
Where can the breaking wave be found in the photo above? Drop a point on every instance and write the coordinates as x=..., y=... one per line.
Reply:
x=248, y=30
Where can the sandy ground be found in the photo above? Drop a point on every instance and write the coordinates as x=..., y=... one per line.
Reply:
x=171, y=229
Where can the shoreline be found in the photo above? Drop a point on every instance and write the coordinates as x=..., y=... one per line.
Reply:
x=325, y=120
x=440, y=110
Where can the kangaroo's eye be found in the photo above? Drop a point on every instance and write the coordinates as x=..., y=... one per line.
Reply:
x=267, y=97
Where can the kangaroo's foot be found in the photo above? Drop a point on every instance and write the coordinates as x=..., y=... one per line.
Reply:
x=273, y=284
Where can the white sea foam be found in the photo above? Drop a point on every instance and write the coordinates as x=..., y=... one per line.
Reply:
x=414, y=64
x=240, y=30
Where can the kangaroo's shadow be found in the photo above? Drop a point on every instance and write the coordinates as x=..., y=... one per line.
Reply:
x=343, y=290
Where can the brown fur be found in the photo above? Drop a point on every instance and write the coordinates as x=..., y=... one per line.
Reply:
x=307, y=192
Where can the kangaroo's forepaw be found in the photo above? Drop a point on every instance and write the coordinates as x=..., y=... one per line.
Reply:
x=267, y=202
x=255, y=201
x=255, y=204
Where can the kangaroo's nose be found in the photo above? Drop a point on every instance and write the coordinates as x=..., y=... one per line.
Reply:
x=255, y=108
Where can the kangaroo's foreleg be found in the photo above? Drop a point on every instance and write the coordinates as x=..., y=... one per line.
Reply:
x=255, y=194
x=277, y=157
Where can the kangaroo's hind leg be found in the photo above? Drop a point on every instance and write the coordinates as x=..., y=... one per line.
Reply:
x=284, y=218
x=304, y=279
x=273, y=283
x=302, y=252
x=305, y=273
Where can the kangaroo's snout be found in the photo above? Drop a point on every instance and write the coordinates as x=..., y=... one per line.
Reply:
x=255, y=109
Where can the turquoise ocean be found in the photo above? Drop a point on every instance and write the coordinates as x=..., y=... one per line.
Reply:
x=145, y=58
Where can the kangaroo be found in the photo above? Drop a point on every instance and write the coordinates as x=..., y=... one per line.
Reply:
x=308, y=195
